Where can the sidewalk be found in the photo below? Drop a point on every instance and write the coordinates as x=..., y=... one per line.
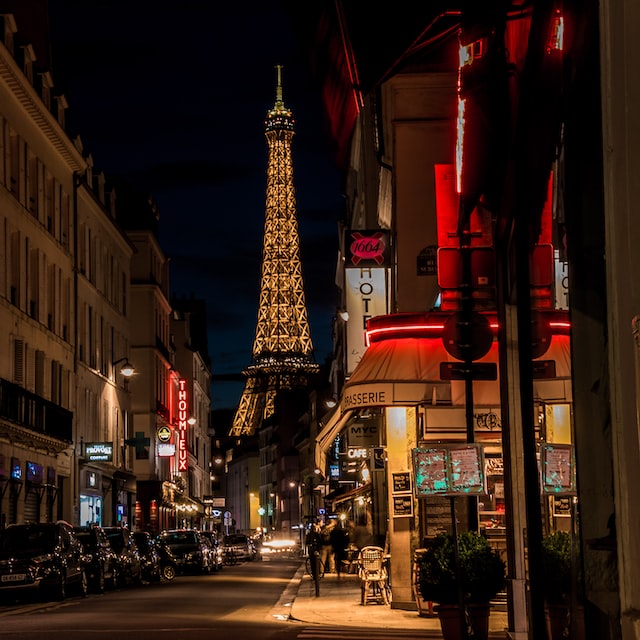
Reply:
x=339, y=605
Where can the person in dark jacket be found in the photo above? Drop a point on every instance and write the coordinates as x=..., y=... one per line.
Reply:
x=313, y=543
x=339, y=538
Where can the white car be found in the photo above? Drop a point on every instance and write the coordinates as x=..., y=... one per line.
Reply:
x=241, y=545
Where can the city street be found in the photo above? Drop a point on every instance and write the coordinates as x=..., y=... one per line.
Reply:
x=252, y=599
x=235, y=602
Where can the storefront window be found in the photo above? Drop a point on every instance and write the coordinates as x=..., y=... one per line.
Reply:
x=90, y=510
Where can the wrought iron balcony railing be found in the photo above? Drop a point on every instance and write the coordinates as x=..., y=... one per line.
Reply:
x=33, y=412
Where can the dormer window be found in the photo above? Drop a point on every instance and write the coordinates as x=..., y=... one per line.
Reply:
x=61, y=110
x=28, y=58
x=9, y=29
x=46, y=84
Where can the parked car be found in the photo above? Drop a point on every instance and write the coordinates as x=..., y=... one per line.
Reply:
x=168, y=564
x=45, y=559
x=129, y=565
x=102, y=562
x=149, y=556
x=240, y=545
x=189, y=549
x=215, y=550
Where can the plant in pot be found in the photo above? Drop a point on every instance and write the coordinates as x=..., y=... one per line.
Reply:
x=482, y=576
x=556, y=572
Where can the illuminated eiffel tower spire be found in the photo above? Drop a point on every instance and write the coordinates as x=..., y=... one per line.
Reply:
x=282, y=356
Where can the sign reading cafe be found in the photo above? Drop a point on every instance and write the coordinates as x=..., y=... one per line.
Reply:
x=183, y=424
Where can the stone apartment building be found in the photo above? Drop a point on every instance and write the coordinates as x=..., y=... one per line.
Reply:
x=90, y=377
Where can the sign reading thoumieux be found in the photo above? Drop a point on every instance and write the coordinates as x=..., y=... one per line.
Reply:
x=98, y=451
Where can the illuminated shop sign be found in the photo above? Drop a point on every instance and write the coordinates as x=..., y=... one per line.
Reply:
x=367, y=248
x=16, y=469
x=98, y=451
x=181, y=434
x=366, y=297
x=166, y=449
x=164, y=434
x=35, y=472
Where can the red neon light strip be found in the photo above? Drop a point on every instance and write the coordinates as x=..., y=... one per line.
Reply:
x=407, y=327
x=392, y=328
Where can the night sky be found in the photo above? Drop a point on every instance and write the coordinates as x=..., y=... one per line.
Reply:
x=172, y=96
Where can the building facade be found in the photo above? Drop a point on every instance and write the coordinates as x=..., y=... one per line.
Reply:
x=93, y=391
x=65, y=294
x=431, y=264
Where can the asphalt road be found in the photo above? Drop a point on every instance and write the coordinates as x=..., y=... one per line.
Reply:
x=241, y=601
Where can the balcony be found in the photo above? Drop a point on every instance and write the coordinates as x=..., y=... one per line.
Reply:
x=32, y=412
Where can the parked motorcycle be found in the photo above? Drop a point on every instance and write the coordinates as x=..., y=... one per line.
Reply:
x=168, y=564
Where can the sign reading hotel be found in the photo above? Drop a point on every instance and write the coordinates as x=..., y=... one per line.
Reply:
x=181, y=433
x=367, y=261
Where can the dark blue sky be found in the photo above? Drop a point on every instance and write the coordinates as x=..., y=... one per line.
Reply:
x=173, y=97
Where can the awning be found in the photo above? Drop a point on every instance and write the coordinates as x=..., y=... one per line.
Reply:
x=335, y=423
x=398, y=372
x=406, y=372
x=350, y=494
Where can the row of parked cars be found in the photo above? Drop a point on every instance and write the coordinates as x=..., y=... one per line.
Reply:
x=55, y=559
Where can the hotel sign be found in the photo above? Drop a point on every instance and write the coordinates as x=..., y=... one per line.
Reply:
x=367, y=248
x=366, y=297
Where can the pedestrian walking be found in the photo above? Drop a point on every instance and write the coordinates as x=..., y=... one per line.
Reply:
x=313, y=544
x=326, y=553
x=339, y=538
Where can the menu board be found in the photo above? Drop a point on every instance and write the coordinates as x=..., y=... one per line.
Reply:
x=449, y=470
x=401, y=482
x=466, y=473
x=403, y=506
x=558, y=469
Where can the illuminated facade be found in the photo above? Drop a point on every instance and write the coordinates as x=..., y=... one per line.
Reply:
x=170, y=397
x=423, y=163
x=64, y=311
x=282, y=355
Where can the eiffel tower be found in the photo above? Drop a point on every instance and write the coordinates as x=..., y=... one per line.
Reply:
x=282, y=356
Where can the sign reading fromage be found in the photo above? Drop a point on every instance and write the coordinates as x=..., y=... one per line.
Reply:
x=181, y=434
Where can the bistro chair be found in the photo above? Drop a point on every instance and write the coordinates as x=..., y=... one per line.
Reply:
x=374, y=577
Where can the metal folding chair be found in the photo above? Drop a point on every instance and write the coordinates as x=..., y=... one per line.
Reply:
x=374, y=578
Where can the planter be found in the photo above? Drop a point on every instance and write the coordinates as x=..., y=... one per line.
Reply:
x=425, y=607
x=449, y=615
x=557, y=617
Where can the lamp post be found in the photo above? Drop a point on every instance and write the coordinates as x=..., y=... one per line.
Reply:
x=127, y=369
x=292, y=485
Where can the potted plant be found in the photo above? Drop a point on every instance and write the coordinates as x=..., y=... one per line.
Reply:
x=556, y=572
x=481, y=574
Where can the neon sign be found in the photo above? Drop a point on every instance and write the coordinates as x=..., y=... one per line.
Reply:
x=183, y=407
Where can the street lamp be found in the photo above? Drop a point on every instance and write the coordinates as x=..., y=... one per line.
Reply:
x=298, y=496
x=292, y=484
x=127, y=369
